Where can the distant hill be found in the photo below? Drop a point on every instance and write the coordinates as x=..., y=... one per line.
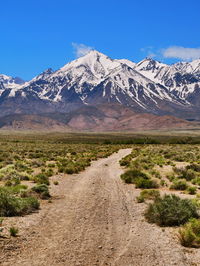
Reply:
x=90, y=118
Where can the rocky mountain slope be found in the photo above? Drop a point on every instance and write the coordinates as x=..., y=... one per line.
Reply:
x=95, y=79
x=98, y=118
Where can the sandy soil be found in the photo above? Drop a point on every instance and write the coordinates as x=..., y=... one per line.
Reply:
x=94, y=219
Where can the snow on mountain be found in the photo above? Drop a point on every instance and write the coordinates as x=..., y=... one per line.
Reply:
x=151, y=69
x=97, y=78
x=10, y=82
x=127, y=62
x=7, y=82
x=149, y=85
x=189, y=67
x=180, y=79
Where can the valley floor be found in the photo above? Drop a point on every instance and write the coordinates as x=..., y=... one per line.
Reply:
x=94, y=219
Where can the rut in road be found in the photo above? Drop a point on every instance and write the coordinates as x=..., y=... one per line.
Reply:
x=96, y=221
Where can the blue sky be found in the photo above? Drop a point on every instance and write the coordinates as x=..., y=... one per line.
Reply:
x=37, y=34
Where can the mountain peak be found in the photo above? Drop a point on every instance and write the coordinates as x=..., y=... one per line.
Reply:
x=149, y=64
x=48, y=71
x=96, y=63
x=10, y=82
x=94, y=53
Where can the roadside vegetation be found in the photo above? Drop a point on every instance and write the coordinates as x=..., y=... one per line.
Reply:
x=28, y=162
x=166, y=171
x=169, y=176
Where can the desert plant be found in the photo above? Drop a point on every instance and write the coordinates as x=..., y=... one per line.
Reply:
x=189, y=234
x=170, y=176
x=155, y=173
x=192, y=190
x=145, y=183
x=163, y=183
x=140, y=199
x=16, y=189
x=179, y=184
x=147, y=194
x=139, y=178
x=42, y=190
x=126, y=160
x=130, y=176
x=13, y=231
x=194, y=166
x=196, y=181
x=150, y=194
x=185, y=173
x=10, y=205
x=42, y=178
x=170, y=210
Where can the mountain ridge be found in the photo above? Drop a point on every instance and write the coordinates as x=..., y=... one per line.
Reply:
x=100, y=118
x=147, y=87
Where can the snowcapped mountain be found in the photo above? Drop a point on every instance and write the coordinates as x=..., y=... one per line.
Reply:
x=148, y=86
x=181, y=79
x=10, y=82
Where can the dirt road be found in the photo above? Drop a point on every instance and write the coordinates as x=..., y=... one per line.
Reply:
x=94, y=221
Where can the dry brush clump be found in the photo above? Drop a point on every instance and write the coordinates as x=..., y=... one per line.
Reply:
x=171, y=210
x=139, y=178
x=189, y=234
x=148, y=194
x=14, y=205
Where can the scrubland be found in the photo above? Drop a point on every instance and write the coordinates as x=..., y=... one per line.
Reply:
x=169, y=176
x=62, y=195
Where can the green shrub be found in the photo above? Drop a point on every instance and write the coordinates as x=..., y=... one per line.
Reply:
x=170, y=210
x=179, y=184
x=28, y=205
x=42, y=178
x=145, y=183
x=42, y=190
x=163, y=183
x=51, y=165
x=192, y=190
x=170, y=176
x=185, y=173
x=13, y=231
x=139, y=178
x=8, y=183
x=70, y=170
x=148, y=194
x=194, y=166
x=10, y=205
x=130, y=176
x=16, y=189
x=126, y=160
x=189, y=234
x=155, y=173
x=188, y=174
x=196, y=181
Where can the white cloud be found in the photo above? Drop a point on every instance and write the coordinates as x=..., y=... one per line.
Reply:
x=148, y=51
x=181, y=53
x=81, y=49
